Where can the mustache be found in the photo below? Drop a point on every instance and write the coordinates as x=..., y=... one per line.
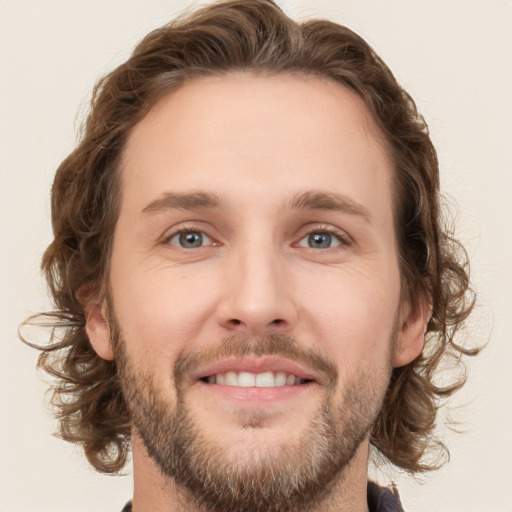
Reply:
x=239, y=345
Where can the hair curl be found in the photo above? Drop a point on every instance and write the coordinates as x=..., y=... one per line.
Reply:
x=217, y=39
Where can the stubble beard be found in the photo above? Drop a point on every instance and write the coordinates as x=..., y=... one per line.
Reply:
x=292, y=478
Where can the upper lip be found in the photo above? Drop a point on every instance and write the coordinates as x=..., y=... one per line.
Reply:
x=254, y=365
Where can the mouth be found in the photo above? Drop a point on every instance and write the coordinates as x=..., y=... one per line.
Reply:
x=250, y=372
x=266, y=379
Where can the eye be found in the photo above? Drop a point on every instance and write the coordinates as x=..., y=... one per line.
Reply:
x=320, y=240
x=190, y=239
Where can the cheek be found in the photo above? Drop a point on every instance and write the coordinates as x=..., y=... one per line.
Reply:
x=161, y=308
x=354, y=313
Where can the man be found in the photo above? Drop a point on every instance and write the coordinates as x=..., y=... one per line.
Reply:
x=251, y=274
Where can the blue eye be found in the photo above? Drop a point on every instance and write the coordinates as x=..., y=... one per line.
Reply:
x=190, y=239
x=320, y=240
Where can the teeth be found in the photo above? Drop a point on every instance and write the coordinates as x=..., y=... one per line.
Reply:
x=280, y=379
x=231, y=379
x=264, y=380
x=258, y=380
x=246, y=380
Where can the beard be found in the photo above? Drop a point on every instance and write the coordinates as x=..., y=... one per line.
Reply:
x=285, y=479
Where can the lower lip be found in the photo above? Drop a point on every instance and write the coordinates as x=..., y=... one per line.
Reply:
x=253, y=395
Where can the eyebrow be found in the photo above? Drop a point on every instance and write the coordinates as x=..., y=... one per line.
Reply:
x=183, y=201
x=316, y=200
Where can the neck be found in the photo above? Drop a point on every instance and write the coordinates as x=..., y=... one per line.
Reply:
x=154, y=492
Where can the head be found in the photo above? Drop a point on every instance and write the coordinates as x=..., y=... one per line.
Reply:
x=223, y=59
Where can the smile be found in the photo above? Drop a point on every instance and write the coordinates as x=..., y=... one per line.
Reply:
x=255, y=380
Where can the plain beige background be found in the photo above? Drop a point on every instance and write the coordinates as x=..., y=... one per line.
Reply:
x=454, y=57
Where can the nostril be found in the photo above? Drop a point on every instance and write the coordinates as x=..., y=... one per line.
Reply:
x=236, y=323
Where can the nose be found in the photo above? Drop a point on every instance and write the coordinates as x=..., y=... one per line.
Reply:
x=258, y=294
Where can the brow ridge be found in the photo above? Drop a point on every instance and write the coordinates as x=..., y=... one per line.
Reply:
x=319, y=200
x=183, y=201
x=307, y=200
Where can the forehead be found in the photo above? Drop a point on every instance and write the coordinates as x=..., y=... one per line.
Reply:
x=268, y=132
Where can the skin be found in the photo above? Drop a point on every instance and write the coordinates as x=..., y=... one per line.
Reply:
x=257, y=142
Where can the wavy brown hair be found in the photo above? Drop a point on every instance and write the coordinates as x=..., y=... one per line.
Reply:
x=220, y=38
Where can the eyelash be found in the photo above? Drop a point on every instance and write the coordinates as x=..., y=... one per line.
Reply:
x=341, y=236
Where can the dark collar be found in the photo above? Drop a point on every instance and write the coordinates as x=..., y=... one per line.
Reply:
x=383, y=499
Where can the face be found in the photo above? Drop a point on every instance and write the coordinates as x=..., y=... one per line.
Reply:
x=254, y=288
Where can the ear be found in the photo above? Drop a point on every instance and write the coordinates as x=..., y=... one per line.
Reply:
x=96, y=326
x=411, y=333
